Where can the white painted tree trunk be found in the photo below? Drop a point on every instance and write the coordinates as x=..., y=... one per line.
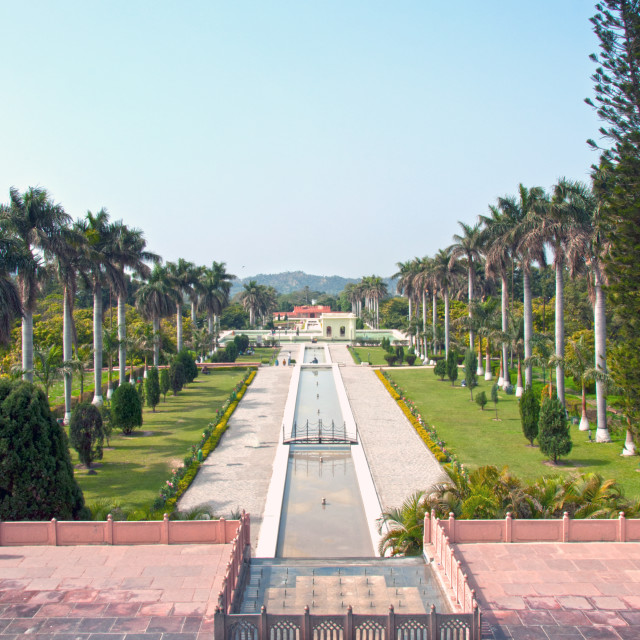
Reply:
x=629, y=445
x=487, y=370
x=424, y=311
x=179, y=326
x=501, y=373
x=528, y=325
x=446, y=323
x=434, y=317
x=156, y=343
x=27, y=346
x=559, y=325
x=97, y=345
x=470, y=301
x=66, y=355
x=505, y=328
x=122, y=347
x=600, y=333
x=193, y=312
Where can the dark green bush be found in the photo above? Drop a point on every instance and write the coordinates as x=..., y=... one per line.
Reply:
x=230, y=352
x=86, y=432
x=440, y=369
x=126, y=408
x=400, y=354
x=241, y=342
x=452, y=366
x=176, y=376
x=553, y=431
x=36, y=475
x=470, y=370
x=165, y=383
x=152, y=388
x=189, y=363
x=411, y=358
x=481, y=400
x=529, y=414
x=390, y=358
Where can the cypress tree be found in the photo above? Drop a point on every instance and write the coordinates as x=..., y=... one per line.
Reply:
x=553, y=431
x=126, y=408
x=152, y=388
x=86, y=432
x=165, y=383
x=452, y=366
x=470, y=370
x=529, y=414
x=36, y=475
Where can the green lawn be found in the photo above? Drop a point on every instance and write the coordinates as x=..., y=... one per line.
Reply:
x=375, y=356
x=260, y=353
x=56, y=392
x=478, y=439
x=134, y=467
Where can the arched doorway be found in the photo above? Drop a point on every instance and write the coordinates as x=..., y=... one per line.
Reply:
x=328, y=331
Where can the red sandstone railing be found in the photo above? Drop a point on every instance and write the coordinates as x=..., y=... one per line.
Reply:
x=122, y=532
x=237, y=566
x=348, y=626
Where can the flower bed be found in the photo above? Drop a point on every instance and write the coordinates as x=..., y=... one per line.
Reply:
x=183, y=476
x=428, y=435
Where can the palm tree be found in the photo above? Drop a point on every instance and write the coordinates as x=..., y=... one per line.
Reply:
x=132, y=254
x=470, y=246
x=48, y=366
x=157, y=298
x=446, y=273
x=250, y=298
x=515, y=337
x=404, y=527
x=485, y=322
x=406, y=276
x=184, y=274
x=36, y=222
x=376, y=289
x=528, y=248
x=10, y=304
x=352, y=294
x=213, y=293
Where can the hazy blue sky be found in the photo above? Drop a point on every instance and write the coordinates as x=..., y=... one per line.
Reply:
x=333, y=136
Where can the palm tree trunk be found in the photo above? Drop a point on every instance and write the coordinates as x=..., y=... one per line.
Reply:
x=193, y=312
x=446, y=323
x=629, y=445
x=66, y=354
x=584, y=421
x=480, y=369
x=505, y=328
x=519, y=387
x=97, y=345
x=179, y=326
x=560, y=329
x=156, y=342
x=501, y=372
x=210, y=322
x=27, y=346
x=424, y=311
x=600, y=332
x=528, y=325
x=122, y=347
x=434, y=317
x=470, y=302
x=487, y=373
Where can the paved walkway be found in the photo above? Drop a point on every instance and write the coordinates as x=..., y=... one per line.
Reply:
x=400, y=462
x=543, y=591
x=236, y=475
x=147, y=592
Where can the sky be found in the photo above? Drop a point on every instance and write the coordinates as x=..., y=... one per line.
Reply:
x=336, y=137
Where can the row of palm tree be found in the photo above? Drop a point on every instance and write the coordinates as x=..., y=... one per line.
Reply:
x=38, y=239
x=370, y=290
x=519, y=231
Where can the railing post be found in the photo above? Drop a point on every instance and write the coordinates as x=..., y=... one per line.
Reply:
x=508, y=525
x=622, y=527
x=426, y=533
x=164, y=535
x=565, y=527
x=53, y=533
x=218, y=624
x=264, y=631
x=109, y=526
x=391, y=623
x=476, y=631
x=452, y=527
x=306, y=624
x=433, y=623
x=222, y=527
x=348, y=624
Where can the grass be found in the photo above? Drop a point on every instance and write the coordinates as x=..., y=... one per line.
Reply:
x=134, y=467
x=56, y=391
x=375, y=356
x=260, y=353
x=477, y=439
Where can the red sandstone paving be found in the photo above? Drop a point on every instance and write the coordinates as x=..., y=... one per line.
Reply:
x=552, y=590
x=146, y=592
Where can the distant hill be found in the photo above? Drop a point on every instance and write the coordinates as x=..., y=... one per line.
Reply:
x=290, y=281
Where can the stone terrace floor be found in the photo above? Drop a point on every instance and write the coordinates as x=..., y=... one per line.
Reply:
x=147, y=592
x=542, y=591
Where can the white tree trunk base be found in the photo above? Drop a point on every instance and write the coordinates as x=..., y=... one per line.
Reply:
x=67, y=418
x=584, y=424
x=603, y=435
x=519, y=392
x=109, y=394
x=500, y=381
x=145, y=373
x=97, y=400
x=488, y=375
x=629, y=446
x=480, y=371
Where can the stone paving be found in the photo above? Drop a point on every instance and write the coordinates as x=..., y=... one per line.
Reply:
x=150, y=592
x=237, y=475
x=386, y=434
x=556, y=590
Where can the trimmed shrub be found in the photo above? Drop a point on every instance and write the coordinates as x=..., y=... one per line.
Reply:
x=126, y=408
x=165, y=383
x=452, y=366
x=176, y=376
x=553, y=431
x=529, y=414
x=152, y=388
x=481, y=400
x=230, y=352
x=242, y=342
x=390, y=358
x=189, y=364
x=36, y=475
x=411, y=358
x=470, y=370
x=400, y=354
x=440, y=369
x=86, y=433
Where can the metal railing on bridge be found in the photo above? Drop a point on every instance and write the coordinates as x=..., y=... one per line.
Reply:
x=319, y=433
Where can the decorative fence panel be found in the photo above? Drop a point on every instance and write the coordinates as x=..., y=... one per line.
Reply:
x=350, y=626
